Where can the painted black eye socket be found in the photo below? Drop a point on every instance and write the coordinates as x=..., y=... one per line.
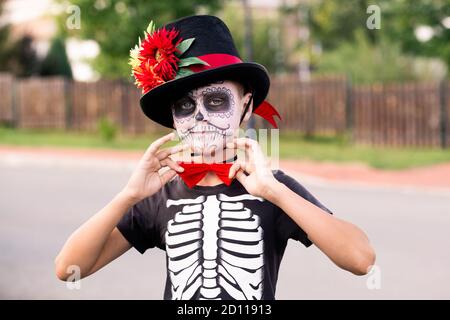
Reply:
x=216, y=102
x=184, y=107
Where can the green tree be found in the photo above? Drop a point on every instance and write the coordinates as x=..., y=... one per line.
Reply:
x=117, y=24
x=266, y=45
x=365, y=62
x=334, y=22
x=403, y=17
x=56, y=61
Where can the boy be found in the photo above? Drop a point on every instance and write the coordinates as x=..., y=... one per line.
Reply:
x=223, y=221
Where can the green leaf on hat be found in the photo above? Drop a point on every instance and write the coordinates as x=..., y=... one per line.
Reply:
x=182, y=72
x=184, y=45
x=191, y=60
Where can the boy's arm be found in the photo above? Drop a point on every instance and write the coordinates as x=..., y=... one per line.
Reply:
x=344, y=243
x=98, y=241
x=94, y=245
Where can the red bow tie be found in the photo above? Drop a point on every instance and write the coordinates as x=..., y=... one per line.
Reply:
x=194, y=172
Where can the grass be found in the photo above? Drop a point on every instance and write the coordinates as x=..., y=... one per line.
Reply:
x=57, y=138
x=339, y=149
x=292, y=146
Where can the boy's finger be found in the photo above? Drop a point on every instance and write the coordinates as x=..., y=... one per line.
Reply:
x=241, y=177
x=252, y=147
x=169, y=151
x=236, y=166
x=167, y=176
x=239, y=166
x=172, y=164
x=245, y=142
x=157, y=144
x=241, y=145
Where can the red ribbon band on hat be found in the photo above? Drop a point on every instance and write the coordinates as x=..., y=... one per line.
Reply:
x=214, y=60
x=194, y=172
x=264, y=110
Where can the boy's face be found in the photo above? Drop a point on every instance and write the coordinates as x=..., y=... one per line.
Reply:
x=208, y=117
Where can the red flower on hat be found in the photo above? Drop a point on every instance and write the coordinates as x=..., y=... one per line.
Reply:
x=157, y=59
x=158, y=51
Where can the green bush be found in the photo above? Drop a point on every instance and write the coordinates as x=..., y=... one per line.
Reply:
x=367, y=63
x=107, y=129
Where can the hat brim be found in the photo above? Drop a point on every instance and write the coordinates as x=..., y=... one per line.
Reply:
x=156, y=104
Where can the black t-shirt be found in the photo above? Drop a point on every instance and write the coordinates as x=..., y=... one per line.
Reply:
x=220, y=241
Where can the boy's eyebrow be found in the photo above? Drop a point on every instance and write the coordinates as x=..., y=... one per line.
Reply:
x=190, y=95
x=193, y=96
x=185, y=95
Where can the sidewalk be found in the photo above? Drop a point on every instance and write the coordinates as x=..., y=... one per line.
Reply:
x=436, y=176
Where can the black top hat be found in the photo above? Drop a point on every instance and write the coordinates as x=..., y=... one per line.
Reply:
x=214, y=45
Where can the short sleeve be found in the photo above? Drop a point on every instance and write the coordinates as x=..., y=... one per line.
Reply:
x=286, y=227
x=139, y=225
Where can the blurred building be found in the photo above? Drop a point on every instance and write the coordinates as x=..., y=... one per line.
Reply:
x=37, y=20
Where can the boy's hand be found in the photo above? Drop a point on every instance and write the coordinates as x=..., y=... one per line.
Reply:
x=146, y=179
x=260, y=180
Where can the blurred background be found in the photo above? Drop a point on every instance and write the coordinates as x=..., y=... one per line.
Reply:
x=363, y=90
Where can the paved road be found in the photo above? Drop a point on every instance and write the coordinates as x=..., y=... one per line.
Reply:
x=42, y=202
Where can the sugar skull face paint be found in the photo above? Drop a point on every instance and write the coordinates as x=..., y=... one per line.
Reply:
x=208, y=117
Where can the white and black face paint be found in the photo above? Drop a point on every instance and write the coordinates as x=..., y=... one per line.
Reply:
x=208, y=117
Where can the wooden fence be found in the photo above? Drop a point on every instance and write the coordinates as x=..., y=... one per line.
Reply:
x=407, y=114
x=314, y=107
x=411, y=114
x=59, y=103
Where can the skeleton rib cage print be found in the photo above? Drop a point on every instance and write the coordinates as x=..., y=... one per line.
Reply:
x=215, y=246
x=220, y=242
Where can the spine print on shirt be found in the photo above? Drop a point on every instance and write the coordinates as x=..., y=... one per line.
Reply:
x=215, y=244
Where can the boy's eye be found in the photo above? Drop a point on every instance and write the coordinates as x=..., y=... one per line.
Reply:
x=187, y=105
x=184, y=107
x=217, y=102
